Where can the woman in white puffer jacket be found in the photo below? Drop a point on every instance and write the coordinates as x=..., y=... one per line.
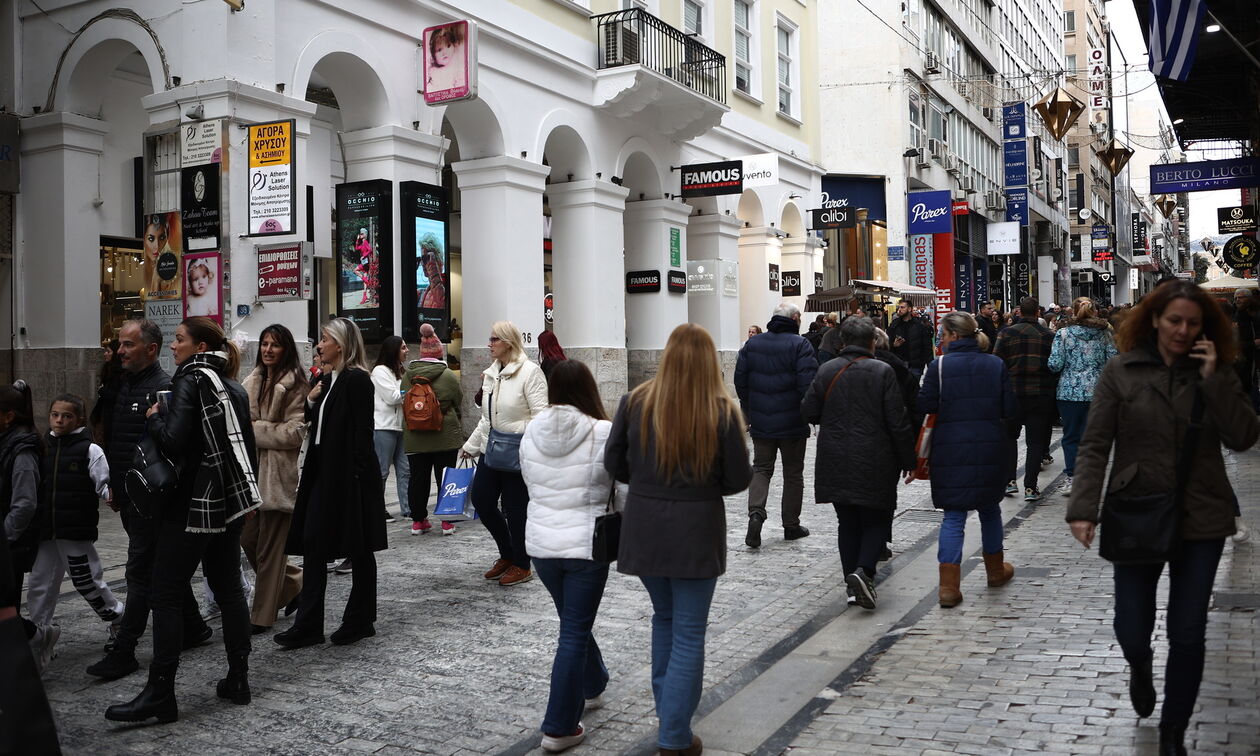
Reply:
x=562, y=461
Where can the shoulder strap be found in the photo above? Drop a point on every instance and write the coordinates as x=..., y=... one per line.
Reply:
x=840, y=373
x=1191, y=441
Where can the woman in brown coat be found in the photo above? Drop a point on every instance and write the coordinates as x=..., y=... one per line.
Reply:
x=276, y=389
x=1175, y=345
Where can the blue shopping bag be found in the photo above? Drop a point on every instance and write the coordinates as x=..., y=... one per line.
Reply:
x=454, y=503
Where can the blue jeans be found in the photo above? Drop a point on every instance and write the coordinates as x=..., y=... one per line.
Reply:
x=1073, y=415
x=578, y=672
x=390, y=448
x=950, y=546
x=680, y=616
x=1190, y=581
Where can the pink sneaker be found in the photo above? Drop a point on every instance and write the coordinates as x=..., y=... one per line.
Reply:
x=448, y=528
x=420, y=528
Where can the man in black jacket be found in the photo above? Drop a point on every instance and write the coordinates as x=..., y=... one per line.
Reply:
x=139, y=342
x=771, y=375
x=984, y=319
x=911, y=339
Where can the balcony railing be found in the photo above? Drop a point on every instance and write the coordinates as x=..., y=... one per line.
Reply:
x=636, y=37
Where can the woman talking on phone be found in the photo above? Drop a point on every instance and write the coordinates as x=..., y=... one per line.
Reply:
x=1165, y=405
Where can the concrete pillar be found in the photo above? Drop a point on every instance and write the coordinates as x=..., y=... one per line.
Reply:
x=588, y=263
x=650, y=317
x=759, y=248
x=713, y=256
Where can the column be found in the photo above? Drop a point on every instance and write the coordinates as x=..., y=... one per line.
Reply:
x=712, y=263
x=588, y=265
x=759, y=248
x=650, y=317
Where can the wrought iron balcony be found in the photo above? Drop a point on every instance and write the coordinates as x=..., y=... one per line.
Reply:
x=636, y=37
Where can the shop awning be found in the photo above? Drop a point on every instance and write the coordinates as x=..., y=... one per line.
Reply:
x=918, y=296
x=1229, y=283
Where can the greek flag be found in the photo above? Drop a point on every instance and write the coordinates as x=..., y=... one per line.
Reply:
x=1174, y=35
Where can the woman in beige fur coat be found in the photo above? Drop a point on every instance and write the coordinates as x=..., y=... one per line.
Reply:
x=276, y=388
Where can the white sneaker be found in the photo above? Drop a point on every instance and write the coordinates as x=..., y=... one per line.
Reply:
x=558, y=743
x=1242, y=533
x=595, y=703
x=1066, y=488
x=44, y=646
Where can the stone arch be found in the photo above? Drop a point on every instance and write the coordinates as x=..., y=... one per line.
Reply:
x=563, y=147
x=95, y=52
x=750, y=210
x=476, y=126
x=639, y=171
x=347, y=63
x=791, y=219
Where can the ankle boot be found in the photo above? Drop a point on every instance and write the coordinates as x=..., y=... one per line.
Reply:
x=236, y=685
x=1142, y=687
x=999, y=572
x=1172, y=739
x=951, y=577
x=156, y=700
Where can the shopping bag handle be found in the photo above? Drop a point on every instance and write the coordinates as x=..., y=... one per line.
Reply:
x=470, y=463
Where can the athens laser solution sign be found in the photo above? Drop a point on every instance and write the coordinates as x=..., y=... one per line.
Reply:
x=929, y=212
x=272, y=196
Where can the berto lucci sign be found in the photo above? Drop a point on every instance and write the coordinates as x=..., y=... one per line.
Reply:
x=1171, y=178
x=930, y=225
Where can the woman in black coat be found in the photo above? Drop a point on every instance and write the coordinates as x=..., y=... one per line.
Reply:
x=340, y=492
x=206, y=432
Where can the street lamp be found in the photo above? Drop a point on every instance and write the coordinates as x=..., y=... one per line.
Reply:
x=1115, y=156
x=1059, y=110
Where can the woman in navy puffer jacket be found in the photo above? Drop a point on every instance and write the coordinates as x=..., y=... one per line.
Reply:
x=970, y=393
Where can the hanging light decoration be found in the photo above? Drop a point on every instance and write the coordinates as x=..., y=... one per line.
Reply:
x=1166, y=204
x=1115, y=156
x=1059, y=110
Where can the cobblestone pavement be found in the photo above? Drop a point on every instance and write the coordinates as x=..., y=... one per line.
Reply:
x=460, y=665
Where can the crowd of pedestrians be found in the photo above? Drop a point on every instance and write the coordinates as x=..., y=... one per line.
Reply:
x=294, y=462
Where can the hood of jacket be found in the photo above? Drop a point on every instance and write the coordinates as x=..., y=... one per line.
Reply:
x=1089, y=328
x=781, y=324
x=430, y=370
x=561, y=428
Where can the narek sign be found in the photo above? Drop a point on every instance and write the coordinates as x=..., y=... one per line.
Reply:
x=1171, y=178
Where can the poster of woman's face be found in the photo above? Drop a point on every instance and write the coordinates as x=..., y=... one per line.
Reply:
x=449, y=62
x=162, y=247
x=203, y=289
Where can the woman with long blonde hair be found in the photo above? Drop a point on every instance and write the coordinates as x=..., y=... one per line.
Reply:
x=678, y=440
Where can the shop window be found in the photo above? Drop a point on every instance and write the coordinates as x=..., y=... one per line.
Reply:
x=745, y=47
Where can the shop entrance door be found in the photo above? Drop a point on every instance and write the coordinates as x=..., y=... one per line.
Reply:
x=122, y=262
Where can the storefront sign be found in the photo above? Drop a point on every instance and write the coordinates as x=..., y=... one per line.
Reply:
x=675, y=246
x=896, y=254
x=1015, y=159
x=272, y=195
x=730, y=278
x=921, y=260
x=203, y=286
x=818, y=281
x=423, y=212
x=980, y=285
x=1137, y=231
x=1023, y=280
x=10, y=153
x=857, y=193
x=702, y=278
x=835, y=217
x=1098, y=77
x=962, y=274
x=449, y=70
x=163, y=243
x=960, y=207
x=676, y=282
x=1017, y=206
x=773, y=276
x=643, y=281
x=1236, y=220
x=280, y=270
x=711, y=179
x=1014, y=120
x=929, y=212
x=1100, y=236
x=201, y=142
x=1002, y=238
x=791, y=283
x=1240, y=253
x=1170, y=178
x=199, y=198
x=363, y=240
x=166, y=314
x=761, y=169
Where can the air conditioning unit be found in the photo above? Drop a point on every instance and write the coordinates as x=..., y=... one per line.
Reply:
x=964, y=88
x=1098, y=127
x=931, y=63
x=969, y=185
x=1084, y=276
x=987, y=112
x=922, y=160
x=621, y=45
x=951, y=163
x=937, y=150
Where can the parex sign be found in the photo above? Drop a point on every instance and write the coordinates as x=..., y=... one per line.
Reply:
x=929, y=212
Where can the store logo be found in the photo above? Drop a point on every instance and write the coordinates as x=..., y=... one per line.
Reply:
x=921, y=213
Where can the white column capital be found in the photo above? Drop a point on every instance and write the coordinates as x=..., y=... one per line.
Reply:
x=501, y=170
x=725, y=226
x=588, y=193
x=670, y=211
x=63, y=131
x=230, y=99
x=403, y=151
x=759, y=235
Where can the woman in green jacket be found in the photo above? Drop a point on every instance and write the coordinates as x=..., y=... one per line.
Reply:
x=430, y=451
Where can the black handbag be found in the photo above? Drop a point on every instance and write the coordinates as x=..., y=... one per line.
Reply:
x=607, y=538
x=150, y=480
x=1147, y=529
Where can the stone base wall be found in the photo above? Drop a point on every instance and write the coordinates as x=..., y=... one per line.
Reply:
x=641, y=365
x=608, y=365
x=51, y=372
x=727, y=359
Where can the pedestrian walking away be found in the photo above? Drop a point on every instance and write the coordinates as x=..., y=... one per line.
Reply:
x=562, y=462
x=1177, y=350
x=21, y=451
x=337, y=513
x=1025, y=349
x=387, y=418
x=1081, y=349
x=772, y=373
x=971, y=395
x=678, y=440
x=861, y=413
x=277, y=395
x=431, y=451
x=514, y=391
x=205, y=431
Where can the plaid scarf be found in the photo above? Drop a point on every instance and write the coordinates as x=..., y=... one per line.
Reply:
x=225, y=486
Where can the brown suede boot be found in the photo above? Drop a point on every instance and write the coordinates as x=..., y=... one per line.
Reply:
x=951, y=576
x=999, y=572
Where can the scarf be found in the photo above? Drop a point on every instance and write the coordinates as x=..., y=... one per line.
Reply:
x=225, y=486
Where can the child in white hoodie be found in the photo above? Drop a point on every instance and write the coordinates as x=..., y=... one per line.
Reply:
x=562, y=462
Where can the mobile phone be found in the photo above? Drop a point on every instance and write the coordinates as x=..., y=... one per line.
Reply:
x=164, y=401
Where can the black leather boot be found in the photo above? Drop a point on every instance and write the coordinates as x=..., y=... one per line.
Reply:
x=236, y=685
x=156, y=700
x=1172, y=739
x=1142, y=687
